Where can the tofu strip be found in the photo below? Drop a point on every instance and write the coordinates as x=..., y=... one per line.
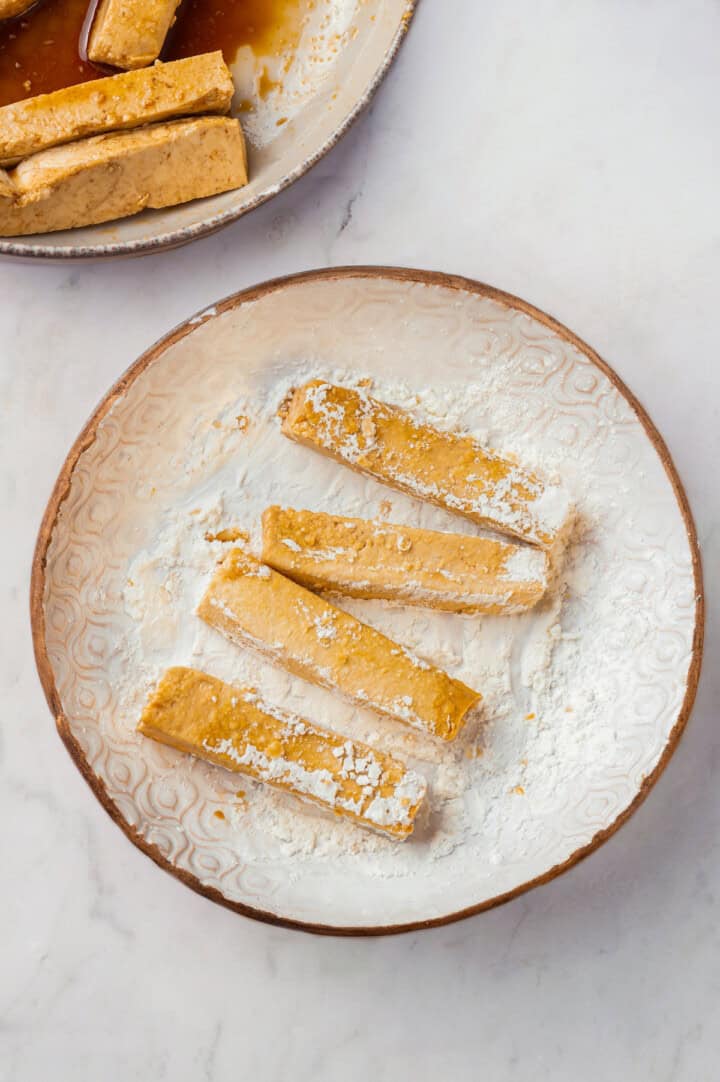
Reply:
x=357, y=558
x=200, y=84
x=10, y=8
x=130, y=33
x=308, y=636
x=447, y=469
x=232, y=728
x=113, y=176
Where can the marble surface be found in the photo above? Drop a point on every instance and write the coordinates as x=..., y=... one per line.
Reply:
x=567, y=153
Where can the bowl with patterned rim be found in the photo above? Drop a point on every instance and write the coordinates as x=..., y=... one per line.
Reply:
x=335, y=70
x=586, y=696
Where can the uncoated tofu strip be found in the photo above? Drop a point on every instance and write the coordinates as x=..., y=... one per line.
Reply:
x=233, y=728
x=199, y=84
x=446, y=571
x=130, y=33
x=308, y=636
x=453, y=471
x=114, y=176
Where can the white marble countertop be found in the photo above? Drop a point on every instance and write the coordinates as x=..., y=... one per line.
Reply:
x=566, y=153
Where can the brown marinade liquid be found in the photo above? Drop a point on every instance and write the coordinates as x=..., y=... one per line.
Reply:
x=39, y=51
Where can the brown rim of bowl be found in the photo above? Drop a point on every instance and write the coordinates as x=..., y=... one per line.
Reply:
x=26, y=250
x=86, y=438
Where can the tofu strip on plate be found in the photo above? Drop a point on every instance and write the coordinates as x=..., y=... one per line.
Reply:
x=305, y=634
x=113, y=176
x=446, y=468
x=199, y=84
x=233, y=728
x=130, y=33
x=447, y=571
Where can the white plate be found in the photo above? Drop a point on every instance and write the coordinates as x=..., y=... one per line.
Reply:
x=585, y=697
x=343, y=55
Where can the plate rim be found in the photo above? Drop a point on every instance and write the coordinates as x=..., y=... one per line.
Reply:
x=26, y=251
x=87, y=436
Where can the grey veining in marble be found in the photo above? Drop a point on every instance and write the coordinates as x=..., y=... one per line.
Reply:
x=566, y=153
